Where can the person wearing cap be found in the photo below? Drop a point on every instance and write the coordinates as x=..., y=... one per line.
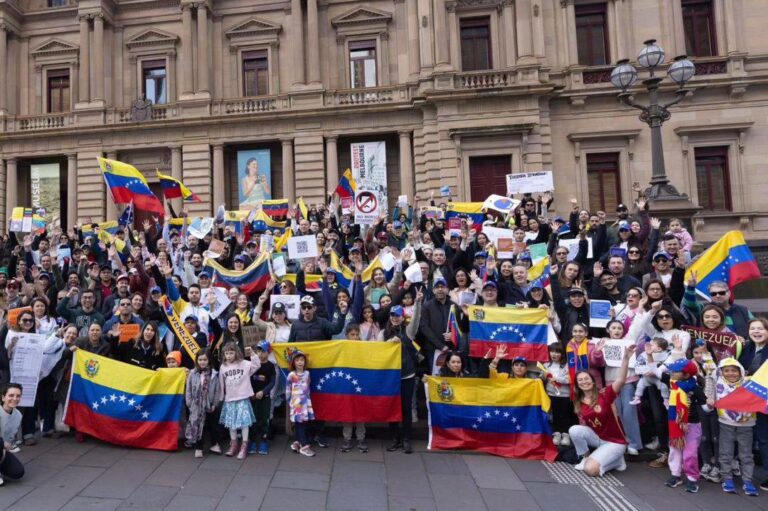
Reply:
x=173, y=359
x=122, y=290
x=310, y=327
x=397, y=238
x=194, y=307
x=204, y=279
x=396, y=331
x=104, y=287
x=262, y=382
x=124, y=316
x=519, y=366
x=434, y=321
x=576, y=310
x=191, y=325
x=671, y=274
x=622, y=214
x=489, y=294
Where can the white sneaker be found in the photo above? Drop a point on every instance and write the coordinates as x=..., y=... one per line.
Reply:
x=565, y=439
x=653, y=444
x=706, y=468
x=635, y=401
x=556, y=438
x=580, y=465
x=632, y=451
x=198, y=453
x=622, y=465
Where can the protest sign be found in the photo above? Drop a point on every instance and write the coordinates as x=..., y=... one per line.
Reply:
x=217, y=300
x=530, y=182
x=537, y=251
x=387, y=260
x=129, y=332
x=26, y=362
x=505, y=248
x=454, y=226
x=599, y=313
x=291, y=303
x=573, y=247
x=467, y=298
x=722, y=344
x=278, y=265
x=613, y=351
x=215, y=248
x=445, y=191
x=301, y=247
x=250, y=334
x=367, y=207
x=494, y=233
x=346, y=205
x=413, y=273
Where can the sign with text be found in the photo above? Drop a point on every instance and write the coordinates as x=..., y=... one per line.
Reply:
x=367, y=206
x=530, y=182
x=369, y=168
x=722, y=344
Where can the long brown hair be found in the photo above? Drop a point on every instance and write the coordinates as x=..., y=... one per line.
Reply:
x=158, y=344
x=580, y=394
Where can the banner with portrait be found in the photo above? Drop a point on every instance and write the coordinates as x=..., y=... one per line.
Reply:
x=254, y=177
x=45, y=191
x=369, y=168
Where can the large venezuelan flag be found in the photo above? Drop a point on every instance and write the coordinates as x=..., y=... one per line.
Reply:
x=252, y=279
x=502, y=417
x=351, y=381
x=750, y=397
x=524, y=331
x=127, y=185
x=124, y=404
x=729, y=260
x=312, y=282
x=473, y=210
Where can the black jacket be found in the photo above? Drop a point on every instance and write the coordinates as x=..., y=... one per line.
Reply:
x=434, y=323
x=319, y=329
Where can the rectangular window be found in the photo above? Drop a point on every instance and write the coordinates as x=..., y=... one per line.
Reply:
x=362, y=64
x=712, y=178
x=699, y=28
x=592, y=34
x=154, y=81
x=255, y=73
x=475, y=43
x=58, y=3
x=58, y=90
x=603, y=181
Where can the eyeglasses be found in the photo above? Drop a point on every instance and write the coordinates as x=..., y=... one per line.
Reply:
x=306, y=306
x=633, y=252
x=718, y=293
x=125, y=304
x=26, y=320
x=663, y=316
x=661, y=260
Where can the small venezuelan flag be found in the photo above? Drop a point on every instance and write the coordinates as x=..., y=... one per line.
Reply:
x=275, y=209
x=347, y=186
x=312, y=283
x=750, y=397
x=729, y=260
x=252, y=279
x=502, y=417
x=351, y=381
x=473, y=210
x=124, y=404
x=175, y=189
x=524, y=331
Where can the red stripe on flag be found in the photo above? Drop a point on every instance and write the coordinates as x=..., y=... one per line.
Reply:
x=532, y=352
x=742, y=400
x=517, y=445
x=743, y=272
x=356, y=408
x=163, y=436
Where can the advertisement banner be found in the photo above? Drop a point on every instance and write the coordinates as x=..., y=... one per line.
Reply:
x=44, y=185
x=369, y=168
x=254, y=177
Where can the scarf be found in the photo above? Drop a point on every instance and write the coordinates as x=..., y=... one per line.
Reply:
x=678, y=412
x=577, y=361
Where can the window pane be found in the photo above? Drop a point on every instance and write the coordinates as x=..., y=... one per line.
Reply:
x=591, y=30
x=262, y=87
x=370, y=72
x=712, y=180
x=475, y=44
x=155, y=85
x=698, y=24
x=603, y=181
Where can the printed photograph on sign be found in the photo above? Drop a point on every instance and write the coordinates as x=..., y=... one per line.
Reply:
x=45, y=190
x=369, y=168
x=254, y=177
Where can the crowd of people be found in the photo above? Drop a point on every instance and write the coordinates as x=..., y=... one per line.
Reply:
x=80, y=287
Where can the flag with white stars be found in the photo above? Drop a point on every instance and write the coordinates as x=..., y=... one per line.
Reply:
x=124, y=404
x=728, y=260
x=526, y=332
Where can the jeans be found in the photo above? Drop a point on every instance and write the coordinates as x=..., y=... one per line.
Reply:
x=608, y=454
x=687, y=459
x=346, y=430
x=729, y=436
x=628, y=415
x=761, y=434
x=402, y=430
x=300, y=429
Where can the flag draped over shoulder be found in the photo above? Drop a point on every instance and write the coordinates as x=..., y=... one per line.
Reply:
x=473, y=210
x=524, y=331
x=123, y=404
x=750, y=397
x=351, y=381
x=175, y=189
x=502, y=417
x=252, y=279
x=127, y=184
x=729, y=260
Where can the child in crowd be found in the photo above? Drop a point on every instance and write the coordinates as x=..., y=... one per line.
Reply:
x=235, y=379
x=708, y=449
x=297, y=395
x=352, y=332
x=735, y=427
x=681, y=233
x=656, y=353
x=685, y=400
x=558, y=386
x=173, y=359
x=10, y=417
x=262, y=382
x=202, y=395
x=582, y=355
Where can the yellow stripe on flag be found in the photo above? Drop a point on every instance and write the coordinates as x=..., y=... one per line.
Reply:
x=352, y=354
x=476, y=392
x=125, y=377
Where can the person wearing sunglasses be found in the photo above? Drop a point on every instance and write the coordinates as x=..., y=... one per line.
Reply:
x=667, y=270
x=737, y=317
x=637, y=265
x=310, y=327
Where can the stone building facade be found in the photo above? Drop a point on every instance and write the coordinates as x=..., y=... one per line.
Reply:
x=462, y=92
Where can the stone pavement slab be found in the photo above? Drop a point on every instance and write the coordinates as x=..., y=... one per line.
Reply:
x=509, y=500
x=492, y=473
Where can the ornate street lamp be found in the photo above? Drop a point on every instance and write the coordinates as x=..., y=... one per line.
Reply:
x=623, y=76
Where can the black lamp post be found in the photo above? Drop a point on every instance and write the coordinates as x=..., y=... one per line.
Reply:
x=623, y=76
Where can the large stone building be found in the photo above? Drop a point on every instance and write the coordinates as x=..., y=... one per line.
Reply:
x=461, y=91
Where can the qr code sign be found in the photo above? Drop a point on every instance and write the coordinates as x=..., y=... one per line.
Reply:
x=613, y=352
x=302, y=247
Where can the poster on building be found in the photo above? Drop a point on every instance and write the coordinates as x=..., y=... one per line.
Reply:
x=254, y=177
x=369, y=168
x=44, y=185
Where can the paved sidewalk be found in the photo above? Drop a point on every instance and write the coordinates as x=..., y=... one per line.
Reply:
x=62, y=474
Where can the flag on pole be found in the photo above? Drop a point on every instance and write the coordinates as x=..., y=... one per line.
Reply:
x=127, y=184
x=729, y=260
x=347, y=186
x=175, y=189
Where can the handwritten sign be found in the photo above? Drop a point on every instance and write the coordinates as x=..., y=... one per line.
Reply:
x=129, y=332
x=722, y=344
x=530, y=182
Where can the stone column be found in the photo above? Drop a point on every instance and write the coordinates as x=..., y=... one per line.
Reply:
x=454, y=44
x=98, y=57
x=442, y=45
x=508, y=16
x=202, y=49
x=71, y=190
x=406, y=165
x=110, y=208
x=289, y=177
x=219, y=197
x=313, y=42
x=11, y=187
x=523, y=29
x=176, y=172
x=413, y=38
x=297, y=40
x=85, y=61
x=3, y=67
x=186, y=50
x=331, y=162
